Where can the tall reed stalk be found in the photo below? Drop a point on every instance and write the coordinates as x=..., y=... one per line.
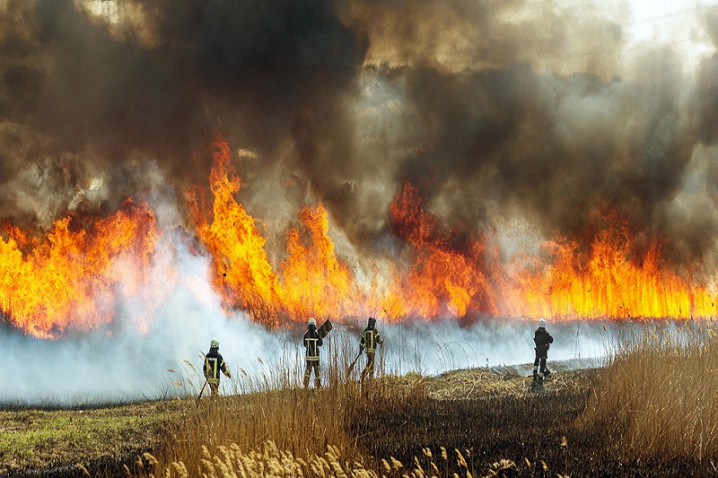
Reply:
x=656, y=397
x=271, y=405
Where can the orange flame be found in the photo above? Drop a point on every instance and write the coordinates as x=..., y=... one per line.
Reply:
x=614, y=281
x=314, y=281
x=443, y=272
x=445, y=279
x=72, y=278
x=243, y=274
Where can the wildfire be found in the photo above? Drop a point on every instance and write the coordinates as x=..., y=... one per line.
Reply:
x=313, y=281
x=611, y=280
x=449, y=276
x=242, y=272
x=74, y=278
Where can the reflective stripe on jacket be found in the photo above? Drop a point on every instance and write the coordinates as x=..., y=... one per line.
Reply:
x=370, y=338
x=312, y=342
x=213, y=364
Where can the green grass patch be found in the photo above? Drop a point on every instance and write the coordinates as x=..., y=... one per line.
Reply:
x=40, y=438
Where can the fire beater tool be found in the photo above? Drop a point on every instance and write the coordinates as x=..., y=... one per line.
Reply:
x=326, y=327
x=202, y=390
x=351, y=365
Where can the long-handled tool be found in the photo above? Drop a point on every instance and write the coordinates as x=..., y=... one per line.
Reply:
x=351, y=365
x=202, y=390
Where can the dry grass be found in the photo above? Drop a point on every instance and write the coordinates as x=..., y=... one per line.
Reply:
x=273, y=407
x=481, y=383
x=292, y=431
x=268, y=460
x=656, y=397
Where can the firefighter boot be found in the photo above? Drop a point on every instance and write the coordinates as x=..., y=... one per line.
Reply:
x=535, y=372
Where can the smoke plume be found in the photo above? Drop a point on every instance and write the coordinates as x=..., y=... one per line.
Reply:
x=529, y=120
x=487, y=107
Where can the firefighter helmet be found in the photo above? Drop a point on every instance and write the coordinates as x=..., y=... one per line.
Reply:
x=214, y=344
x=372, y=321
x=312, y=322
x=542, y=323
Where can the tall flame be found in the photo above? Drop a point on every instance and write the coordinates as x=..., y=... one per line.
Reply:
x=445, y=278
x=443, y=272
x=313, y=281
x=243, y=274
x=74, y=278
x=612, y=280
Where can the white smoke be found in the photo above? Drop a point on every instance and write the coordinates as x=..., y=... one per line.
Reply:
x=130, y=366
x=137, y=358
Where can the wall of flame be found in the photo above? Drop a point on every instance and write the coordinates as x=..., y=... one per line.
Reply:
x=71, y=279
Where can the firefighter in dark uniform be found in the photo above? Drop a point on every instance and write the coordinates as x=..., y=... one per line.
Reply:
x=370, y=339
x=213, y=365
x=312, y=342
x=543, y=341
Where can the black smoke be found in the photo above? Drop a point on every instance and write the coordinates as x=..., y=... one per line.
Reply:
x=485, y=106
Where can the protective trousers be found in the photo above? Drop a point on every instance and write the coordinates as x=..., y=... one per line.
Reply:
x=214, y=387
x=312, y=365
x=542, y=362
x=369, y=369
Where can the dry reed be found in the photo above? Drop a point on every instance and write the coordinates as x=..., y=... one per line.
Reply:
x=655, y=398
x=267, y=460
x=272, y=406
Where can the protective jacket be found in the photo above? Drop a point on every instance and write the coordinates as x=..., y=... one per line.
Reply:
x=542, y=339
x=312, y=342
x=370, y=339
x=213, y=364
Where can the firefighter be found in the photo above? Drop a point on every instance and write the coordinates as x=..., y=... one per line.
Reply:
x=370, y=339
x=213, y=364
x=312, y=342
x=543, y=341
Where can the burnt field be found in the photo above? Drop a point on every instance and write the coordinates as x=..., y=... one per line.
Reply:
x=487, y=422
x=535, y=434
x=505, y=429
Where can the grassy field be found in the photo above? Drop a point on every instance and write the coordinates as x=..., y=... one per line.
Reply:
x=32, y=439
x=620, y=420
x=302, y=422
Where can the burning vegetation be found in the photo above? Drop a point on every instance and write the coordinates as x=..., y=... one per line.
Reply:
x=171, y=171
x=73, y=278
x=386, y=151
